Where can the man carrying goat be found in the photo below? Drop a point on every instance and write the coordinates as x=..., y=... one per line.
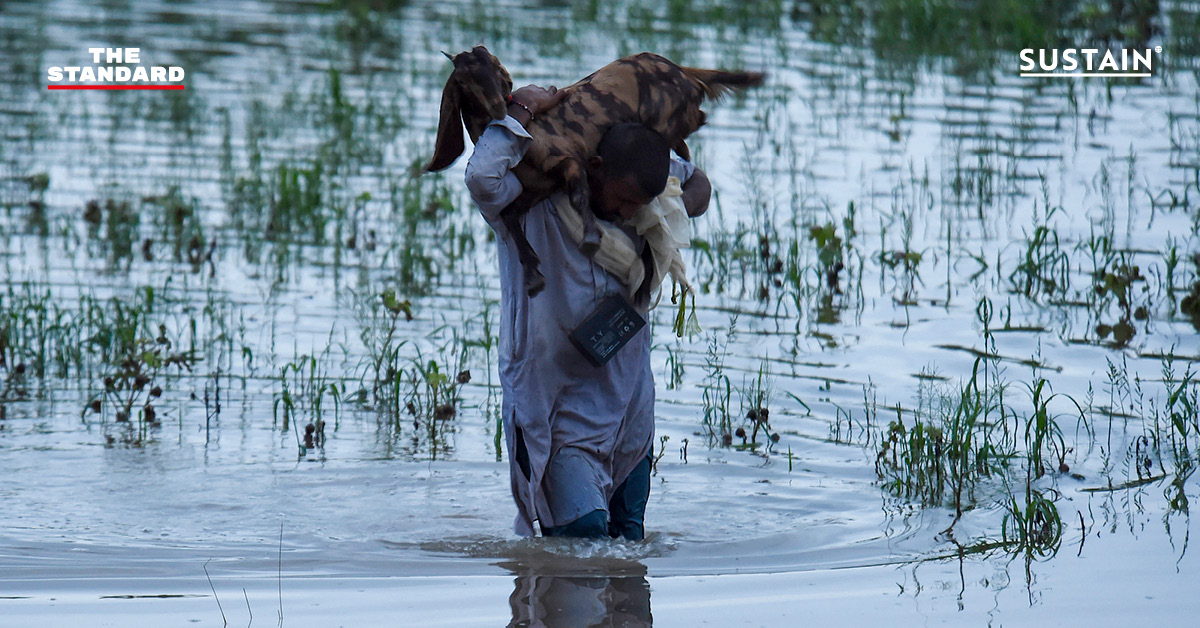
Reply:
x=578, y=435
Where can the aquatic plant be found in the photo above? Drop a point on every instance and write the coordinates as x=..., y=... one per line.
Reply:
x=1034, y=528
x=433, y=398
x=133, y=381
x=910, y=263
x=970, y=35
x=829, y=254
x=954, y=442
x=13, y=385
x=717, y=391
x=1189, y=306
x=715, y=260
x=134, y=357
x=756, y=399
x=296, y=203
x=662, y=450
x=957, y=441
x=425, y=241
x=1117, y=282
x=121, y=228
x=434, y=395
x=1177, y=423
x=1043, y=435
x=30, y=329
x=674, y=366
x=180, y=226
x=866, y=427
x=303, y=394
x=82, y=337
x=1171, y=261
x=383, y=351
x=1044, y=269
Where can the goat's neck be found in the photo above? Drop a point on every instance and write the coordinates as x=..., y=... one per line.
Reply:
x=475, y=118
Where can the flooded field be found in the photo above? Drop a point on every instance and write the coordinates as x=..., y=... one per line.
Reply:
x=953, y=310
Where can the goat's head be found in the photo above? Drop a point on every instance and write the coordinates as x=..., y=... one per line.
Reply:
x=476, y=93
x=482, y=81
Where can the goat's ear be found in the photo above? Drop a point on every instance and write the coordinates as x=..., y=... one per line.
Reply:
x=450, y=130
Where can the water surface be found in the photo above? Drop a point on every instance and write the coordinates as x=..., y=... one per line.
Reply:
x=253, y=220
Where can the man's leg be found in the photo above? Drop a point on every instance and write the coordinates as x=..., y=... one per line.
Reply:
x=628, y=505
x=593, y=525
x=573, y=489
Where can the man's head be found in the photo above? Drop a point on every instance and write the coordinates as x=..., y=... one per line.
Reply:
x=629, y=170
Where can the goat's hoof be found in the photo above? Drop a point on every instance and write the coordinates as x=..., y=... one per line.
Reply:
x=590, y=243
x=534, y=284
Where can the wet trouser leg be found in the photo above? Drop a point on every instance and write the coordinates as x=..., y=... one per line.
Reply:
x=627, y=509
x=572, y=488
x=593, y=525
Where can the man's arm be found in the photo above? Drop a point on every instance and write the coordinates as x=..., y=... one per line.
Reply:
x=696, y=192
x=490, y=180
x=695, y=186
x=501, y=147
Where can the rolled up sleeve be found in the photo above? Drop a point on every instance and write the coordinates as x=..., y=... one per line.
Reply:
x=681, y=169
x=489, y=175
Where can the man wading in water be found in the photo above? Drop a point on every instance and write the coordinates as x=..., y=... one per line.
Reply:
x=578, y=435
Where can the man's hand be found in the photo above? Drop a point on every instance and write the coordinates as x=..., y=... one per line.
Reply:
x=696, y=193
x=531, y=100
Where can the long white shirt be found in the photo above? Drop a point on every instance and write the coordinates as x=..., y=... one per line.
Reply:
x=595, y=422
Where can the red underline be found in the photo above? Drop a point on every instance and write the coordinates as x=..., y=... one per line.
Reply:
x=114, y=87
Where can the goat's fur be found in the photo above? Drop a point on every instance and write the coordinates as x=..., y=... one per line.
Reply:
x=644, y=88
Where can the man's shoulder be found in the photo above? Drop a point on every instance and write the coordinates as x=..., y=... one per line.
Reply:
x=556, y=197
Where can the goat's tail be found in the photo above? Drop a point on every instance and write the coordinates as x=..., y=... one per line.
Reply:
x=717, y=83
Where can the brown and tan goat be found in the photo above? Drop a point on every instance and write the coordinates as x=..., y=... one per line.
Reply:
x=643, y=88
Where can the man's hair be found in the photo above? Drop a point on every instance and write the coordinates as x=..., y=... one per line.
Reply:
x=638, y=152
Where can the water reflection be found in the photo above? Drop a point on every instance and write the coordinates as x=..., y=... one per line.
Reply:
x=592, y=595
x=895, y=146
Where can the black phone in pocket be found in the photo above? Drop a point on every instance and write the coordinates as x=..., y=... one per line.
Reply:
x=606, y=329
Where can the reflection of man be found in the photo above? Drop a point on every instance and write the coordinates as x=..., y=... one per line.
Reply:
x=543, y=600
x=578, y=435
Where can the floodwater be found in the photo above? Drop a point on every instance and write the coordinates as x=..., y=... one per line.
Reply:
x=894, y=209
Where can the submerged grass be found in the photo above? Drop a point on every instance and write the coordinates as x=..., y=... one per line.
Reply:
x=756, y=400
x=384, y=362
x=1045, y=268
x=717, y=390
x=303, y=387
x=955, y=440
x=322, y=169
x=1034, y=528
x=966, y=447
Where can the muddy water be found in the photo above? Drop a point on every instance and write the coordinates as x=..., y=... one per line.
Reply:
x=252, y=221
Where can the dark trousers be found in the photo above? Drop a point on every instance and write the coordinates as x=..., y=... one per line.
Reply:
x=626, y=511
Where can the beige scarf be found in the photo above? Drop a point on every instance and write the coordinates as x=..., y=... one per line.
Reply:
x=664, y=224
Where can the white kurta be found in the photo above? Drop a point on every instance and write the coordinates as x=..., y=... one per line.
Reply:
x=584, y=427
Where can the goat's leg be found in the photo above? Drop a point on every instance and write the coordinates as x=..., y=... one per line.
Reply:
x=581, y=198
x=511, y=217
x=643, y=292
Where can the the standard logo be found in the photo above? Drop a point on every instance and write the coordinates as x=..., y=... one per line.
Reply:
x=109, y=76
